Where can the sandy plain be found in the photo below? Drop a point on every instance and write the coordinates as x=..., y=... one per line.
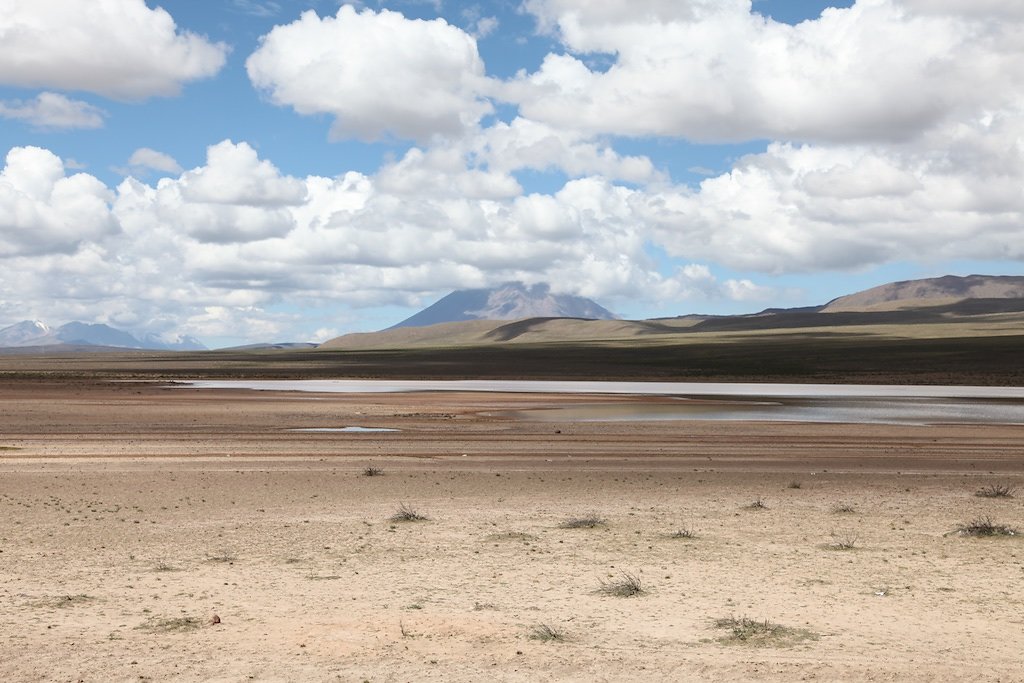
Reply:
x=131, y=513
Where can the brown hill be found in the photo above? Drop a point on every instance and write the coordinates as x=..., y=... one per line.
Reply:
x=525, y=331
x=938, y=291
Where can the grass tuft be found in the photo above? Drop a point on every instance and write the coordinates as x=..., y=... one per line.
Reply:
x=406, y=513
x=548, y=634
x=757, y=504
x=67, y=600
x=172, y=625
x=984, y=526
x=843, y=509
x=590, y=520
x=511, y=536
x=626, y=586
x=843, y=540
x=684, y=533
x=372, y=471
x=760, y=633
x=223, y=555
x=794, y=484
x=996, y=491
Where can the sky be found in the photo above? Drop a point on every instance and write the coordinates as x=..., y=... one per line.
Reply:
x=249, y=171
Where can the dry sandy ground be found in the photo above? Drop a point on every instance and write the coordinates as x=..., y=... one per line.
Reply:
x=131, y=514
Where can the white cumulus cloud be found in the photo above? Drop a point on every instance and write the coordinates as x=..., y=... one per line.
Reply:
x=526, y=144
x=234, y=174
x=146, y=158
x=807, y=208
x=235, y=197
x=42, y=210
x=714, y=71
x=53, y=110
x=116, y=48
x=378, y=73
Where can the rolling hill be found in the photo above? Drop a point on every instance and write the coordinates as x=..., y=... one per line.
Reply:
x=930, y=292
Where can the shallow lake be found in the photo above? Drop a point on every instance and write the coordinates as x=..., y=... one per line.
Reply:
x=903, y=404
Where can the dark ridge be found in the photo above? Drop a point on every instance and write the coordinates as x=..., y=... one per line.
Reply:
x=790, y=319
x=823, y=357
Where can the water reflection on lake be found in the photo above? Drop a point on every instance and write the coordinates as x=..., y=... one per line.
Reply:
x=837, y=409
x=711, y=400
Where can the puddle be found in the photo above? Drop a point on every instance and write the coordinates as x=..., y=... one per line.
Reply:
x=868, y=404
x=905, y=411
x=755, y=391
x=344, y=429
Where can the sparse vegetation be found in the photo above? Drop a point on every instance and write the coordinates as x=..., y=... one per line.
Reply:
x=984, y=526
x=843, y=540
x=843, y=509
x=760, y=633
x=547, y=633
x=407, y=513
x=222, y=555
x=626, y=586
x=373, y=471
x=590, y=520
x=172, y=625
x=66, y=600
x=511, y=536
x=996, y=491
x=794, y=485
x=684, y=532
x=164, y=566
x=757, y=504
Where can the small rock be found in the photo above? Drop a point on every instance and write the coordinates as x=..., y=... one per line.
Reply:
x=215, y=619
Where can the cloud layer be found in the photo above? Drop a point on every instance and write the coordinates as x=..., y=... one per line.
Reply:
x=892, y=130
x=235, y=235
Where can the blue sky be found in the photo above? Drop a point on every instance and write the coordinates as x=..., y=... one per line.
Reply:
x=248, y=170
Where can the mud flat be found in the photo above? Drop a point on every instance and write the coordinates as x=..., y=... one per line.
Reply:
x=131, y=514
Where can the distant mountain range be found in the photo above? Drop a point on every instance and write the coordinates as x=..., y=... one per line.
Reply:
x=34, y=333
x=517, y=314
x=273, y=346
x=510, y=301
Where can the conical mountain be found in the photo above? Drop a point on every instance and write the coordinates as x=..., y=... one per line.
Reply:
x=510, y=301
